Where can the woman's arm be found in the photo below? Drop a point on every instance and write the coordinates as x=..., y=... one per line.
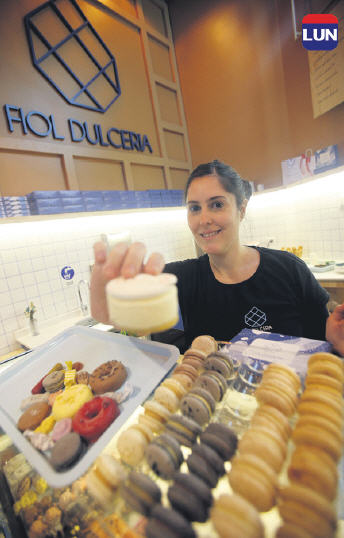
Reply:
x=121, y=261
x=335, y=329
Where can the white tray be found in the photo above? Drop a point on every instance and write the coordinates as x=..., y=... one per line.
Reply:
x=146, y=363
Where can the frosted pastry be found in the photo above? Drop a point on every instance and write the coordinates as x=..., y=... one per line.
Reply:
x=144, y=304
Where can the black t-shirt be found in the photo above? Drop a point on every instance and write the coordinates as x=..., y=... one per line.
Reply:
x=282, y=296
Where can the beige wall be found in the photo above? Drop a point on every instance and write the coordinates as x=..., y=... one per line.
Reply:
x=138, y=35
x=245, y=85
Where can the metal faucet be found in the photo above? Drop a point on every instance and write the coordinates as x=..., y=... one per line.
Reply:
x=83, y=305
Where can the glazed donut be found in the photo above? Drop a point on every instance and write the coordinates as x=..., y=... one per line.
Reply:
x=107, y=377
x=94, y=417
x=69, y=402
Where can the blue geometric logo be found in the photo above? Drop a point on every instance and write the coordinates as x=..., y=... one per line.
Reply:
x=255, y=317
x=80, y=60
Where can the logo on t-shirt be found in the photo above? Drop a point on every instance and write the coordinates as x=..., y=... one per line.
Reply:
x=255, y=318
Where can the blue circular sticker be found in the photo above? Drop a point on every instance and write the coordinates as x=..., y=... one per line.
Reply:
x=67, y=272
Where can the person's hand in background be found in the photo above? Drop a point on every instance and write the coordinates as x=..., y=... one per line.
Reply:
x=335, y=329
x=122, y=260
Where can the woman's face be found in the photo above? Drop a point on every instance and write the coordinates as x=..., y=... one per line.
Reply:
x=213, y=215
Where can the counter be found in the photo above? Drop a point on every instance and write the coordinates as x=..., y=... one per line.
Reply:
x=334, y=283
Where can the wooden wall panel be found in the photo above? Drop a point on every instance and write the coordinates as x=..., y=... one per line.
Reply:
x=160, y=59
x=168, y=103
x=175, y=145
x=98, y=174
x=22, y=173
x=179, y=178
x=142, y=172
x=154, y=16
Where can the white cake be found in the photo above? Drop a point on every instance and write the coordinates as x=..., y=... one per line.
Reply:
x=144, y=304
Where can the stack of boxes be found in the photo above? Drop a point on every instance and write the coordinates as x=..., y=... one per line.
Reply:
x=16, y=206
x=52, y=202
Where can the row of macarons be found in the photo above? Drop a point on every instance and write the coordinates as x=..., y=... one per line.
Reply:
x=194, y=389
x=262, y=450
x=306, y=504
x=189, y=494
x=263, y=447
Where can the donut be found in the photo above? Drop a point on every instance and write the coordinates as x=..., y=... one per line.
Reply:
x=69, y=402
x=94, y=417
x=107, y=377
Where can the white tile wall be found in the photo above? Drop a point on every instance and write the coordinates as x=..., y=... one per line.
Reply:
x=32, y=254
x=310, y=214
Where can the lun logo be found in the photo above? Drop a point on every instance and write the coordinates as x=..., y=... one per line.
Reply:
x=320, y=32
x=93, y=76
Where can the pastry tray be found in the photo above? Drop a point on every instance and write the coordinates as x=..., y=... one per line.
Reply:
x=146, y=363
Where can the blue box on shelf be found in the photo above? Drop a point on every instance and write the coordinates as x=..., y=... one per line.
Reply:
x=35, y=195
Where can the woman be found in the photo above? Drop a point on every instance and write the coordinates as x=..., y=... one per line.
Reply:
x=232, y=286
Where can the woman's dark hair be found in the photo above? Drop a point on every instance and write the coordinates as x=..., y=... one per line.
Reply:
x=228, y=177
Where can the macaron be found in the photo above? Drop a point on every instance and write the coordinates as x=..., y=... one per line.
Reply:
x=67, y=451
x=206, y=464
x=327, y=366
x=194, y=362
x=169, y=523
x=193, y=352
x=324, y=381
x=140, y=493
x=184, y=379
x=190, y=496
x=156, y=411
x=184, y=429
x=103, y=480
x=313, y=468
x=219, y=362
x=322, y=410
x=164, y=456
x=33, y=416
x=54, y=381
x=198, y=404
x=205, y=343
x=220, y=438
x=320, y=422
x=265, y=444
x=188, y=370
x=235, y=517
x=252, y=478
x=154, y=425
x=307, y=509
x=270, y=394
x=324, y=356
x=332, y=400
x=285, y=371
x=131, y=445
x=314, y=435
x=288, y=530
x=167, y=398
x=214, y=383
x=269, y=416
x=175, y=386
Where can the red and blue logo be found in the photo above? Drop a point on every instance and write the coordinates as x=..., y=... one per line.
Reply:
x=320, y=32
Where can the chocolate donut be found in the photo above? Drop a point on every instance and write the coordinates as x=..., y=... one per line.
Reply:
x=107, y=377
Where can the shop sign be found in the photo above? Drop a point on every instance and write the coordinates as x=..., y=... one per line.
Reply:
x=94, y=134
